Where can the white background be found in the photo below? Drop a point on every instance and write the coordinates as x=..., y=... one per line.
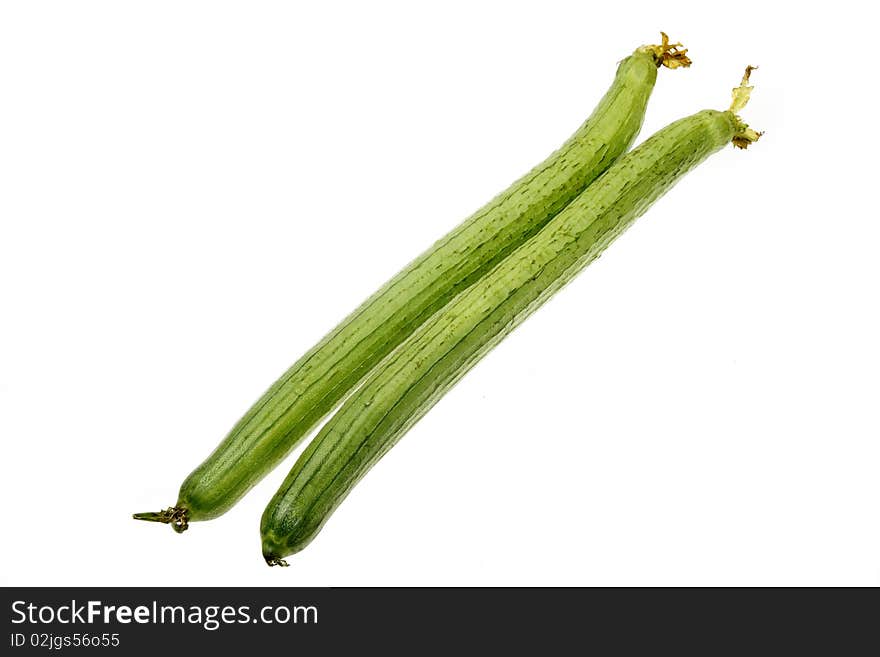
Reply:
x=192, y=193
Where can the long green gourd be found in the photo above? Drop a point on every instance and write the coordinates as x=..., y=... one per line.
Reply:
x=398, y=393
x=316, y=383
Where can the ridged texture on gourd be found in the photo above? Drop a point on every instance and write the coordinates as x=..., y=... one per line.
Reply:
x=443, y=349
x=316, y=383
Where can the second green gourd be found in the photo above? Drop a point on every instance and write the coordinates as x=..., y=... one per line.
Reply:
x=398, y=393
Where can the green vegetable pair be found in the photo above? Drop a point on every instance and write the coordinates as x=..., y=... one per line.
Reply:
x=449, y=307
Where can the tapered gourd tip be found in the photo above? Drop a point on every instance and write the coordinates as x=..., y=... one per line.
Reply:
x=175, y=516
x=744, y=135
x=670, y=55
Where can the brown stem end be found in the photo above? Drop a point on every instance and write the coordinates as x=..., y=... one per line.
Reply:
x=670, y=55
x=275, y=561
x=744, y=135
x=175, y=516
